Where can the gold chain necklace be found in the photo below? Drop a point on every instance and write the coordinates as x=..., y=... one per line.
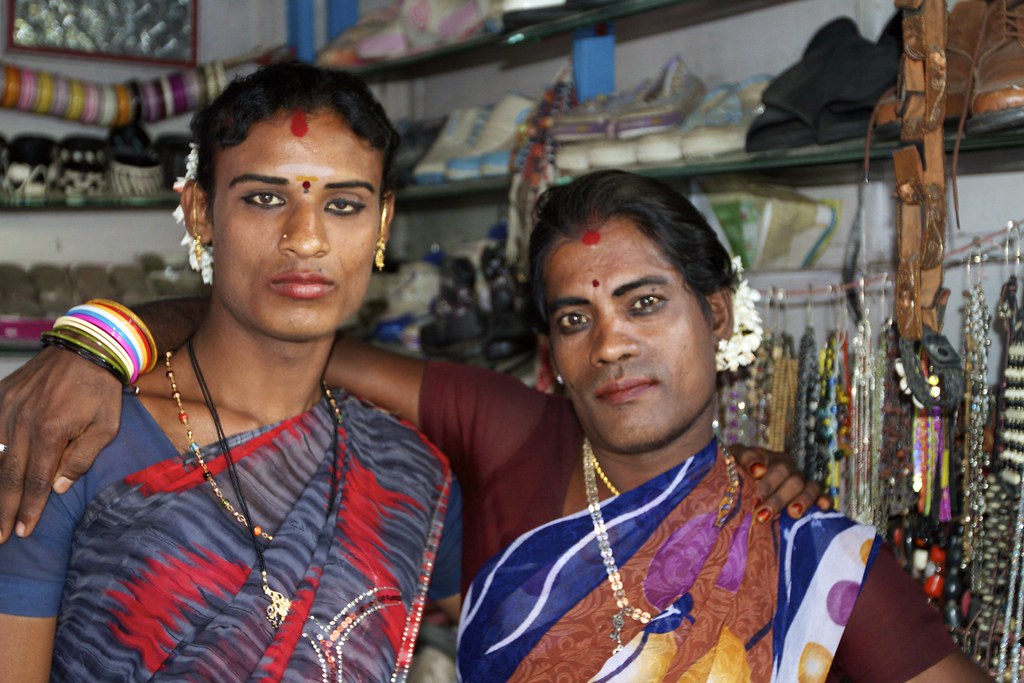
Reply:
x=588, y=452
x=590, y=469
x=279, y=605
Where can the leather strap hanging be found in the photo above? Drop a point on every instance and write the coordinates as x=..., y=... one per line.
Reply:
x=921, y=212
x=920, y=169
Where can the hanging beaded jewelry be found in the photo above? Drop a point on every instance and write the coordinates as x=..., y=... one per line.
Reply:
x=1012, y=460
x=826, y=429
x=608, y=557
x=783, y=395
x=977, y=408
x=862, y=396
x=803, y=440
x=279, y=605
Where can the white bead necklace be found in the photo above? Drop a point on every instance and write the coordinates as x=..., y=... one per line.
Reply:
x=590, y=466
x=614, y=578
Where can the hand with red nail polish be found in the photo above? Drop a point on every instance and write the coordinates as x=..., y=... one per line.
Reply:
x=780, y=485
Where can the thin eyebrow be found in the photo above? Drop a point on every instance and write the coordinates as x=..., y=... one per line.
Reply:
x=351, y=184
x=257, y=178
x=636, y=284
x=274, y=180
x=555, y=304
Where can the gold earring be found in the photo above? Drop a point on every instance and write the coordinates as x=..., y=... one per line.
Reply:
x=378, y=256
x=197, y=244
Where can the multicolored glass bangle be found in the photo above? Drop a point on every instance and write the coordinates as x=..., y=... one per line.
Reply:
x=100, y=337
x=67, y=343
x=111, y=332
x=136, y=324
x=126, y=328
x=105, y=322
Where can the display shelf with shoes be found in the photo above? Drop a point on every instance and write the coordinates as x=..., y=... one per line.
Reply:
x=58, y=201
x=849, y=152
x=577, y=15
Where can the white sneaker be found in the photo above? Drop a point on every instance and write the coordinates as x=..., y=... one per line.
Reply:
x=612, y=153
x=675, y=94
x=723, y=129
x=573, y=158
x=490, y=153
x=522, y=5
x=457, y=138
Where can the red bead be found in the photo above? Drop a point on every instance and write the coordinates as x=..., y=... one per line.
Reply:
x=937, y=555
x=183, y=417
x=934, y=585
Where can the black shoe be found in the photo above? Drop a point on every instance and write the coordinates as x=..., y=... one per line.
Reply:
x=508, y=333
x=458, y=329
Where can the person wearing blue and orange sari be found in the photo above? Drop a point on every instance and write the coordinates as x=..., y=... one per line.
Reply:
x=654, y=567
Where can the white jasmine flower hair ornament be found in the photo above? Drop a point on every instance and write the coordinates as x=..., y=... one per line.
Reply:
x=200, y=257
x=747, y=332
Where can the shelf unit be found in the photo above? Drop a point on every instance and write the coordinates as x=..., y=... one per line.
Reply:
x=848, y=151
x=620, y=9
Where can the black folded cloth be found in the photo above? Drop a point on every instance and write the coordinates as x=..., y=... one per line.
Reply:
x=830, y=93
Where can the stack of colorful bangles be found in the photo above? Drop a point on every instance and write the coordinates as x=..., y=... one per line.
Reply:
x=107, y=334
x=42, y=92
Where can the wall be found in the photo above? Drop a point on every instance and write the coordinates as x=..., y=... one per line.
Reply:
x=730, y=48
x=226, y=28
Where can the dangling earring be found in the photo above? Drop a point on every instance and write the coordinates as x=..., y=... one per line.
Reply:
x=378, y=256
x=560, y=380
x=200, y=258
x=197, y=244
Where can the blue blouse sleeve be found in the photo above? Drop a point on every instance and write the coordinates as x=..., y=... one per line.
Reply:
x=447, y=567
x=32, y=570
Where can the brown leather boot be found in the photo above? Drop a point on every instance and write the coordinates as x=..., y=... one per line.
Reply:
x=965, y=22
x=998, y=96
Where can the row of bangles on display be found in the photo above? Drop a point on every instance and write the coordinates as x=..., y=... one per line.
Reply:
x=110, y=105
x=913, y=438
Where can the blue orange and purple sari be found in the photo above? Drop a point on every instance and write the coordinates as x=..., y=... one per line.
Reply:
x=736, y=602
x=163, y=585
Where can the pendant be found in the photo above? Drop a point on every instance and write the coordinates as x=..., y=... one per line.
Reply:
x=278, y=608
x=618, y=621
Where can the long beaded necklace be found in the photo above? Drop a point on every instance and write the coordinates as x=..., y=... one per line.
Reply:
x=804, y=445
x=590, y=466
x=279, y=605
x=976, y=409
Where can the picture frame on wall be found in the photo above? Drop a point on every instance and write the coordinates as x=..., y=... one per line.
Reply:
x=152, y=31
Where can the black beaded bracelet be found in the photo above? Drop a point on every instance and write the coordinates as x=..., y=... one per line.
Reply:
x=50, y=339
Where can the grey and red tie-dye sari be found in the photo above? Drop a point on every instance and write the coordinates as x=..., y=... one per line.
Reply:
x=163, y=584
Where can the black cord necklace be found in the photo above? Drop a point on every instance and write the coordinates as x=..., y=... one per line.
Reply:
x=279, y=604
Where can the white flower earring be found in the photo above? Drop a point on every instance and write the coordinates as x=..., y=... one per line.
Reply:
x=738, y=350
x=200, y=257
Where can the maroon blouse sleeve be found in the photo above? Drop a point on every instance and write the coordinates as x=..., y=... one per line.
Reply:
x=511, y=448
x=893, y=633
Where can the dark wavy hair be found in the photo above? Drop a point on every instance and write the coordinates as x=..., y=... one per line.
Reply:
x=277, y=88
x=662, y=214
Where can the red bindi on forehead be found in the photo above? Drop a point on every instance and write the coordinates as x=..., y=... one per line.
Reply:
x=595, y=282
x=299, y=124
x=591, y=237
